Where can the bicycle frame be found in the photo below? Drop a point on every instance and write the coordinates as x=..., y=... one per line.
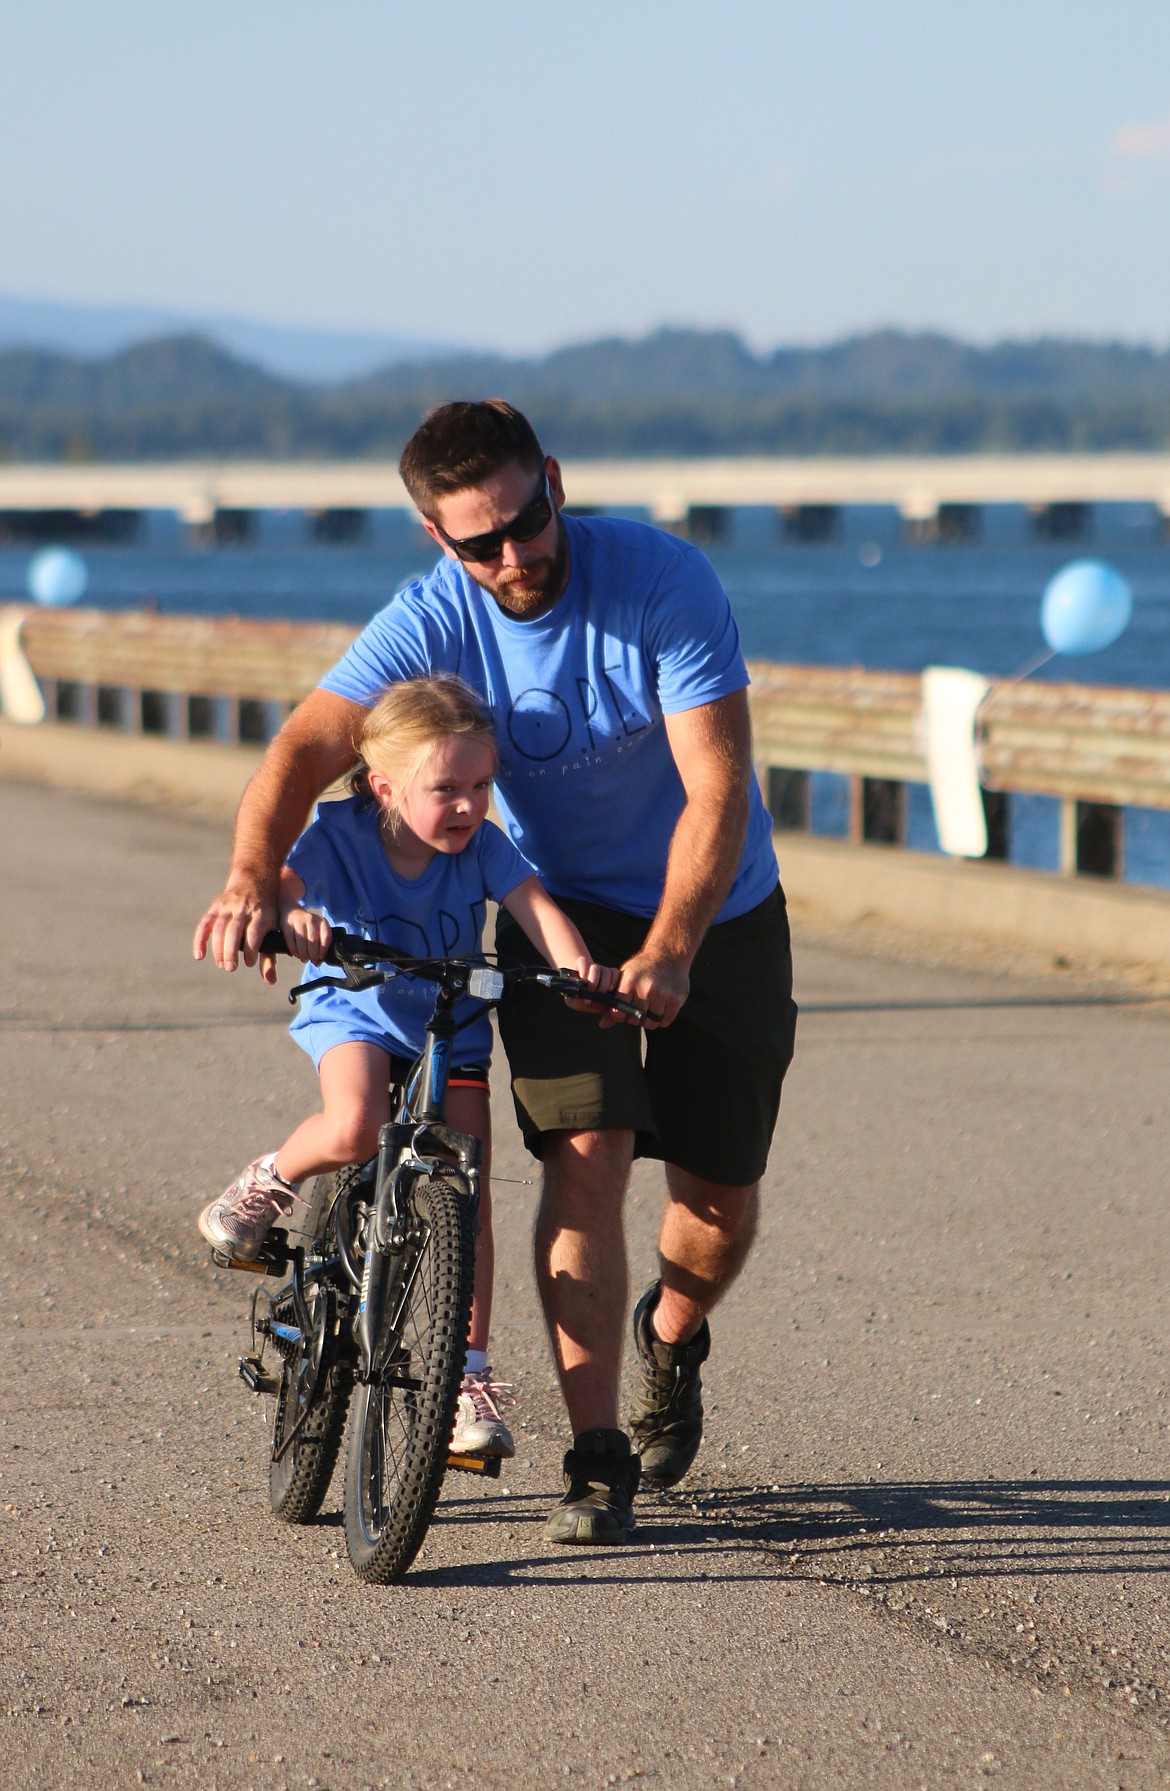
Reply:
x=358, y=1301
x=416, y=1142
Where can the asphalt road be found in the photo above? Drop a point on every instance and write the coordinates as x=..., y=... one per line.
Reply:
x=925, y=1543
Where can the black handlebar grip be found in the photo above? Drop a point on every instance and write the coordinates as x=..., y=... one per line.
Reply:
x=273, y=946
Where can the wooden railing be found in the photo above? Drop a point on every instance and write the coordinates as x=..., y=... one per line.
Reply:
x=1098, y=750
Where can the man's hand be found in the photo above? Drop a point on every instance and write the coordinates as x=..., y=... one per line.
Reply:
x=235, y=924
x=658, y=987
x=312, y=749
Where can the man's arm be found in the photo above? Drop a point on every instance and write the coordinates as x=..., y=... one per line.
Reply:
x=712, y=748
x=314, y=747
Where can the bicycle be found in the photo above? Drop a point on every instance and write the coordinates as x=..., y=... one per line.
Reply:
x=373, y=1320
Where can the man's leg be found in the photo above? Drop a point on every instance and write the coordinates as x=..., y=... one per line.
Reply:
x=707, y=1231
x=715, y=1078
x=581, y=1273
x=581, y=1268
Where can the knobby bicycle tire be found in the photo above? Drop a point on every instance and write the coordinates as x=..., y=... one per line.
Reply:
x=399, y=1435
x=314, y=1392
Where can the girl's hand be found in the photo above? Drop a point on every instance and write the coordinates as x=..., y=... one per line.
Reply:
x=307, y=935
x=602, y=977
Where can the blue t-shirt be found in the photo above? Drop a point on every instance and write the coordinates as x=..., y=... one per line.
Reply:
x=587, y=786
x=347, y=875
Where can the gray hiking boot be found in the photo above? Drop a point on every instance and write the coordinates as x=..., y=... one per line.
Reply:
x=601, y=1478
x=666, y=1418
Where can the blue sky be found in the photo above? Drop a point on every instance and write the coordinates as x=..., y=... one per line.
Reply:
x=523, y=174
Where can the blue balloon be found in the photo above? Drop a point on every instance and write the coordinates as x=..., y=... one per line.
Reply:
x=1086, y=606
x=57, y=576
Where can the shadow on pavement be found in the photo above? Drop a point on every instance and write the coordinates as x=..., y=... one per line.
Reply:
x=998, y=1528
x=871, y=1535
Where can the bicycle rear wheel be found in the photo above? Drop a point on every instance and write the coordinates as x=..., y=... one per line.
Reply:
x=401, y=1422
x=311, y=1403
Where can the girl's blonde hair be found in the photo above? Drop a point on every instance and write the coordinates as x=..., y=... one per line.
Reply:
x=406, y=724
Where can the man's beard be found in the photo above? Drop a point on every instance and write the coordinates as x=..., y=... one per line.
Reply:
x=551, y=577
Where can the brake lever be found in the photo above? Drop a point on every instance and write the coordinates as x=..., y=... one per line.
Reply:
x=564, y=983
x=352, y=978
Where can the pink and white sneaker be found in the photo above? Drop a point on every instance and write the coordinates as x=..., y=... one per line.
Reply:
x=479, y=1428
x=240, y=1220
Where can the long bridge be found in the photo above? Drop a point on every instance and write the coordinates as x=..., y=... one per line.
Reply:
x=936, y=496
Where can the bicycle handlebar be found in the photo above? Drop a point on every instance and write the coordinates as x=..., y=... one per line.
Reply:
x=357, y=957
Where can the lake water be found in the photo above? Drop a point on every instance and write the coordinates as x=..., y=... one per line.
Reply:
x=864, y=599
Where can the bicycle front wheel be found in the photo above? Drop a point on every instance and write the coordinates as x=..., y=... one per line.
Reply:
x=401, y=1421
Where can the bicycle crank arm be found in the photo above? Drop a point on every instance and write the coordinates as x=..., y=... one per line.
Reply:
x=272, y=1327
x=407, y=1383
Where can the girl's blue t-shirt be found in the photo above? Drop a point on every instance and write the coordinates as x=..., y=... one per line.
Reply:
x=347, y=875
x=587, y=786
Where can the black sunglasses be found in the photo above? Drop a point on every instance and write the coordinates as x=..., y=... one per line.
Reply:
x=524, y=526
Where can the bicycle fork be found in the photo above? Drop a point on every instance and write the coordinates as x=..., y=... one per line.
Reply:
x=394, y=1240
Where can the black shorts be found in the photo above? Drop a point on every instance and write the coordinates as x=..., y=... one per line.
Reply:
x=702, y=1093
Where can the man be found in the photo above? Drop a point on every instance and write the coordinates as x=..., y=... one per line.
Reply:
x=608, y=655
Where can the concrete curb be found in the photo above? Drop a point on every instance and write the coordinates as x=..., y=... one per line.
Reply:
x=1074, y=918
x=844, y=883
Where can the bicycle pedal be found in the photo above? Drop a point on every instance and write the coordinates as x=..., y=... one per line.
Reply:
x=254, y=1375
x=487, y=1465
x=264, y=1264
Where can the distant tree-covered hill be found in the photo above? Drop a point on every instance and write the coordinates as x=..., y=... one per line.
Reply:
x=675, y=392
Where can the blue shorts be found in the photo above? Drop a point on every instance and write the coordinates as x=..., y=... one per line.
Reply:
x=316, y=1037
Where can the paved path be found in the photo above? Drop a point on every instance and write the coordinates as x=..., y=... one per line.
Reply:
x=926, y=1541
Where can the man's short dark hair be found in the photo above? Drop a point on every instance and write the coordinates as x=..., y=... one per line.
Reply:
x=462, y=444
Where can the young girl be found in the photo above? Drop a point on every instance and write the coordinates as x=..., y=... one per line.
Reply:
x=408, y=859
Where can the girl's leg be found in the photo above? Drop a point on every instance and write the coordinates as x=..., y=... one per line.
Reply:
x=479, y=1427
x=468, y=1111
x=355, y=1088
x=355, y=1091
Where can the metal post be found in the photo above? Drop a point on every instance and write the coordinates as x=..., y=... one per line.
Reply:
x=883, y=811
x=130, y=707
x=178, y=714
x=855, y=831
x=199, y=718
x=787, y=799
x=227, y=720
x=998, y=816
x=1091, y=838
